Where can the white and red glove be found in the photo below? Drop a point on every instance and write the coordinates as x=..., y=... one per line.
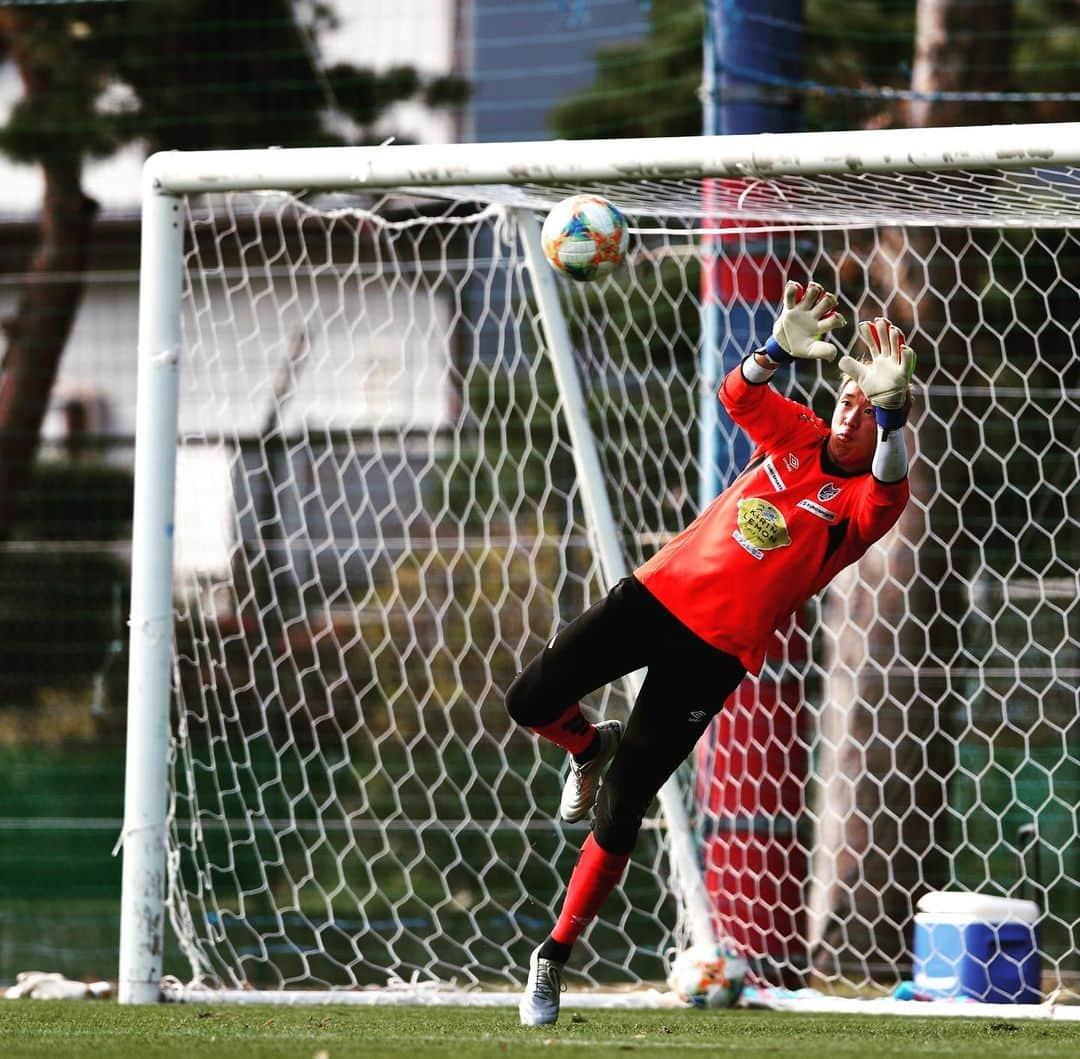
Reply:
x=808, y=315
x=887, y=378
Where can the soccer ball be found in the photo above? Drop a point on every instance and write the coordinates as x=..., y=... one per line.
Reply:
x=585, y=237
x=708, y=976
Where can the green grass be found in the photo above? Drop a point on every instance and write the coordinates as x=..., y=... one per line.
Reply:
x=102, y=1030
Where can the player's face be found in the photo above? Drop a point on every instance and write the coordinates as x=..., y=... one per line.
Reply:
x=854, y=430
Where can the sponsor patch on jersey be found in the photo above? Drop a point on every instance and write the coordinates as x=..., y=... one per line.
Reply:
x=743, y=543
x=762, y=524
x=829, y=491
x=773, y=474
x=817, y=509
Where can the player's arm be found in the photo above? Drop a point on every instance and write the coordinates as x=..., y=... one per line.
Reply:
x=885, y=378
x=798, y=334
x=800, y=329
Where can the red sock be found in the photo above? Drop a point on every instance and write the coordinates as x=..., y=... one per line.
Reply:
x=570, y=730
x=595, y=875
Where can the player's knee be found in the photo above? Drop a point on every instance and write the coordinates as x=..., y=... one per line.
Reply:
x=516, y=700
x=618, y=816
x=522, y=700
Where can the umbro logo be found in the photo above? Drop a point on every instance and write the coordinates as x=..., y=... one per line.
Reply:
x=791, y=461
x=828, y=491
x=697, y=716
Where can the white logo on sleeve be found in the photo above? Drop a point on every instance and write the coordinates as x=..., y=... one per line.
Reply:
x=773, y=474
x=817, y=509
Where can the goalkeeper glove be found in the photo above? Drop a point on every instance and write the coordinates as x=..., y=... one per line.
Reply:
x=887, y=376
x=806, y=317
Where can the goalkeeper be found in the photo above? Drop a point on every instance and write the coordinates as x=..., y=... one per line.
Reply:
x=700, y=613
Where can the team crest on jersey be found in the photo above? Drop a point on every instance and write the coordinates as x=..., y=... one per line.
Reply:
x=761, y=526
x=828, y=492
x=791, y=461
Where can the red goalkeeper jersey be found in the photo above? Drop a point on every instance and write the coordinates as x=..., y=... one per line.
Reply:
x=776, y=536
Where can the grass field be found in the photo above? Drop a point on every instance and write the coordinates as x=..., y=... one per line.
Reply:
x=102, y=1030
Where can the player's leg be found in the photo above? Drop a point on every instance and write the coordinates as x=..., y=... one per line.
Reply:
x=687, y=684
x=678, y=699
x=605, y=642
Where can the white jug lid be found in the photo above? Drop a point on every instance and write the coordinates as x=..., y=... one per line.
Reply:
x=979, y=906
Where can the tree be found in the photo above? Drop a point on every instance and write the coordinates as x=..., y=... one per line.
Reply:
x=1022, y=46
x=58, y=93
x=647, y=87
x=650, y=87
x=171, y=74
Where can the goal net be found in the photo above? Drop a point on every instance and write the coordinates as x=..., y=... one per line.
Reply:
x=407, y=454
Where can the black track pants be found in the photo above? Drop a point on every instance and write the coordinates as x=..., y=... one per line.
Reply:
x=687, y=683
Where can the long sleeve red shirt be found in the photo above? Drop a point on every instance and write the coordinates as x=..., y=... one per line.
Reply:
x=776, y=536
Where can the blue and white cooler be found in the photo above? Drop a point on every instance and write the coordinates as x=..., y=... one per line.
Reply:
x=979, y=946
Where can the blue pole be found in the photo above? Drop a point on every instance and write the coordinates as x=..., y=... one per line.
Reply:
x=709, y=437
x=749, y=45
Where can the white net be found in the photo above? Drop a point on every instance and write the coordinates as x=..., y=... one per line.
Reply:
x=379, y=523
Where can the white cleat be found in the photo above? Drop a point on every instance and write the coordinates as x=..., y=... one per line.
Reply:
x=539, y=1006
x=579, y=793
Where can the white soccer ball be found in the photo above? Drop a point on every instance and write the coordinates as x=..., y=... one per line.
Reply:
x=708, y=976
x=585, y=237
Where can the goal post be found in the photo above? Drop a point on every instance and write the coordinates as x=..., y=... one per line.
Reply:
x=150, y=655
x=760, y=156
x=383, y=452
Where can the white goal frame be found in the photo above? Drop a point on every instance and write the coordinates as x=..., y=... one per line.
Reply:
x=170, y=175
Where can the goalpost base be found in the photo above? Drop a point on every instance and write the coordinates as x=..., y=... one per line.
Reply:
x=806, y=1001
x=431, y=994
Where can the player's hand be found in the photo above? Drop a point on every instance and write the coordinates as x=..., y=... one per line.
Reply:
x=808, y=315
x=885, y=380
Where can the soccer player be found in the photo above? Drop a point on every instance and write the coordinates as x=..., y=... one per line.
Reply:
x=700, y=613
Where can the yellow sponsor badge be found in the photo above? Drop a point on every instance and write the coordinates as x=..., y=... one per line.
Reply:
x=762, y=524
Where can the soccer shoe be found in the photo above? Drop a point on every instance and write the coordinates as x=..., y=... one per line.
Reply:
x=579, y=793
x=539, y=1006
